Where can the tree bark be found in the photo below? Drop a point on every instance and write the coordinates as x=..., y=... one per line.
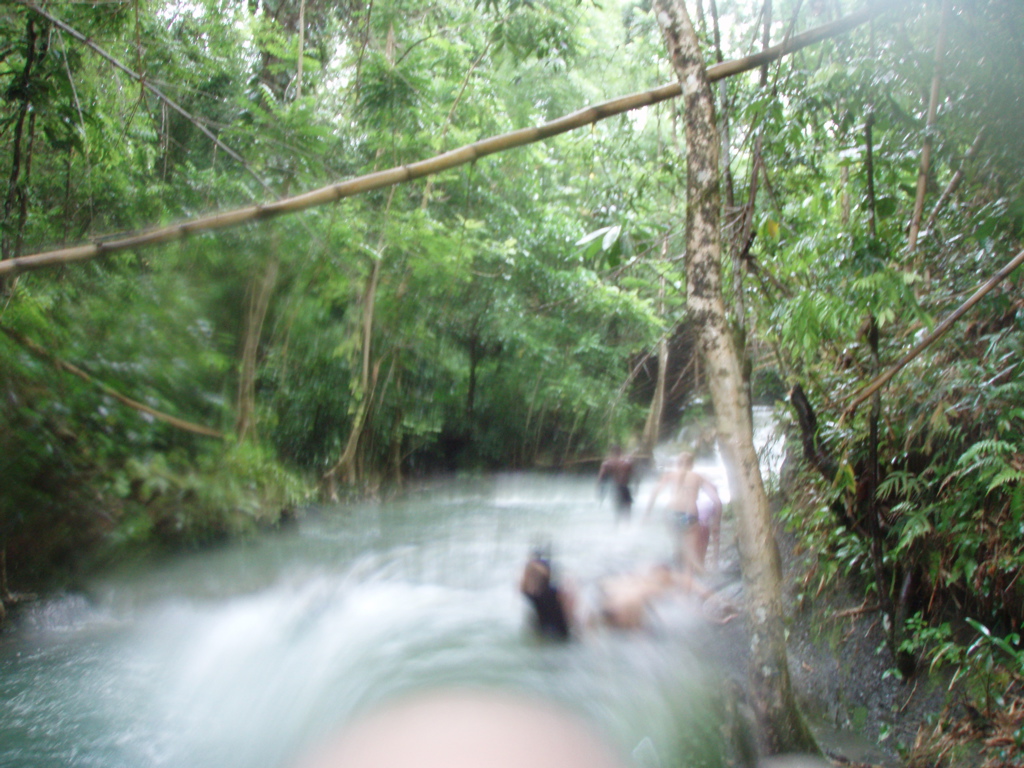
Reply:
x=782, y=727
x=302, y=52
x=346, y=467
x=259, y=295
x=926, y=148
x=3, y=585
x=15, y=202
x=869, y=510
x=869, y=170
x=808, y=422
x=652, y=429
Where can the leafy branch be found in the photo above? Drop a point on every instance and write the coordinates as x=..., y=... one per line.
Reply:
x=141, y=79
x=74, y=370
x=935, y=335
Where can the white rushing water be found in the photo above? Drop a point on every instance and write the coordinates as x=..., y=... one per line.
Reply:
x=250, y=654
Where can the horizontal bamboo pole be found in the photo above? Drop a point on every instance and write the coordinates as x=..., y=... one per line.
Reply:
x=443, y=162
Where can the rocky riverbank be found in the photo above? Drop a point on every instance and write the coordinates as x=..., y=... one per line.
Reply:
x=860, y=709
x=862, y=713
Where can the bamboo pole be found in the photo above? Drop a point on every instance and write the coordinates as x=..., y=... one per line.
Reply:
x=935, y=335
x=74, y=370
x=452, y=159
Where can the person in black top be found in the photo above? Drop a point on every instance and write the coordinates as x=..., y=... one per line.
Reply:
x=552, y=604
x=619, y=470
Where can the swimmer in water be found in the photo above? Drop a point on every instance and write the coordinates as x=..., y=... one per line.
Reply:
x=626, y=599
x=553, y=604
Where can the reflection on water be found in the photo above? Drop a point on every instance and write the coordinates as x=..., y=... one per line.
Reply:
x=247, y=655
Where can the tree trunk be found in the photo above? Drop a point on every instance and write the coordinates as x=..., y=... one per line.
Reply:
x=869, y=170
x=954, y=183
x=258, y=300
x=782, y=727
x=652, y=429
x=346, y=467
x=5, y=592
x=15, y=204
x=475, y=354
x=926, y=148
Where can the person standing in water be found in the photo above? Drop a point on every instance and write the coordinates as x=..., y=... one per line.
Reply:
x=619, y=470
x=709, y=529
x=685, y=484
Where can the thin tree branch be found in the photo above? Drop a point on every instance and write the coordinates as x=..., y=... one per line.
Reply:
x=141, y=79
x=61, y=365
x=451, y=115
x=935, y=335
x=456, y=157
x=955, y=181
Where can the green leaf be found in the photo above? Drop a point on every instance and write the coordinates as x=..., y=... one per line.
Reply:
x=886, y=206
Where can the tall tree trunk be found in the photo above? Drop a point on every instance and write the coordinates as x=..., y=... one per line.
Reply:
x=4, y=592
x=261, y=288
x=302, y=52
x=257, y=303
x=782, y=727
x=346, y=467
x=766, y=38
x=475, y=354
x=724, y=115
x=743, y=239
x=15, y=203
x=869, y=170
x=652, y=428
x=926, y=148
x=870, y=511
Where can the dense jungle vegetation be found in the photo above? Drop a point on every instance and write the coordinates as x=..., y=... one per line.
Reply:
x=528, y=308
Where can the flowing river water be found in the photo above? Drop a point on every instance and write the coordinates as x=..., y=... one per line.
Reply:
x=249, y=654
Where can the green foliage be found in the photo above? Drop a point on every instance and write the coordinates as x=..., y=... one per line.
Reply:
x=174, y=499
x=833, y=266
x=833, y=552
x=997, y=663
x=989, y=665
